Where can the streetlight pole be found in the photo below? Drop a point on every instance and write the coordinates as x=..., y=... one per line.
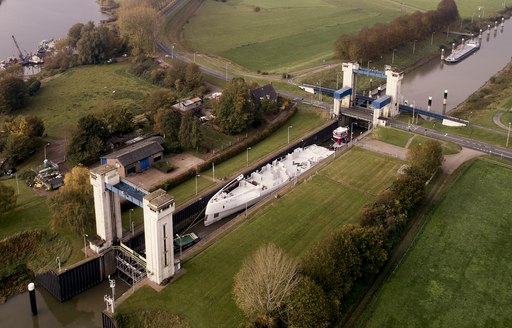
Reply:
x=130, y=216
x=508, y=134
x=291, y=126
x=172, y=51
x=414, y=47
x=85, y=244
x=178, y=236
x=197, y=175
x=432, y=38
x=247, y=155
x=369, y=65
x=45, y=149
x=226, y=71
x=393, y=57
x=320, y=92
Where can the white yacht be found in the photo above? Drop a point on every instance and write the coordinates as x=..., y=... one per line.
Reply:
x=243, y=192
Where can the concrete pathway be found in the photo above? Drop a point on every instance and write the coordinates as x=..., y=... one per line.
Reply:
x=383, y=148
x=497, y=120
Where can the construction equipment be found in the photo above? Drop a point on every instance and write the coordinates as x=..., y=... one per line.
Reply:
x=23, y=59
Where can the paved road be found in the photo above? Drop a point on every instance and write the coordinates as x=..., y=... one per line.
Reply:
x=462, y=141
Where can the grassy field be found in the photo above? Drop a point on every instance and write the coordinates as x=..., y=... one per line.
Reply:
x=281, y=34
x=458, y=272
x=295, y=221
x=392, y=136
x=65, y=98
x=33, y=213
x=264, y=35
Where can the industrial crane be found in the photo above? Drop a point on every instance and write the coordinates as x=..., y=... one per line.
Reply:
x=22, y=58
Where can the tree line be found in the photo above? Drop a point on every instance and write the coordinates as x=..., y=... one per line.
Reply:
x=274, y=290
x=370, y=42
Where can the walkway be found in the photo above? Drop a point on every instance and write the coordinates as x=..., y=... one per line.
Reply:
x=450, y=162
x=497, y=120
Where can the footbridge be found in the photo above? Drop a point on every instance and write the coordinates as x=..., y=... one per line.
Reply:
x=130, y=265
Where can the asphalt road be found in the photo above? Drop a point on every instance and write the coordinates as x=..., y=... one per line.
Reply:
x=462, y=141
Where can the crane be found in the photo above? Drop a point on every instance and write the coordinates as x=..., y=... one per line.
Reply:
x=22, y=58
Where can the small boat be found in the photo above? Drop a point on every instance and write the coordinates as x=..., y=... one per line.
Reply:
x=462, y=51
x=185, y=241
x=243, y=192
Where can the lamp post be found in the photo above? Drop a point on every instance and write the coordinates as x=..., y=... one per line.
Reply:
x=413, y=107
x=508, y=134
x=393, y=57
x=414, y=47
x=131, y=222
x=320, y=92
x=247, y=155
x=181, y=249
x=85, y=244
x=45, y=149
x=197, y=175
x=226, y=71
x=291, y=126
x=172, y=51
x=432, y=38
x=352, y=131
x=369, y=65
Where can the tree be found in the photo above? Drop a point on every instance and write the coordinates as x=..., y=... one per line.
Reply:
x=95, y=45
x=235, y=110
x=264, y=284
x=74, y=34
x=117, y=119
x=308, y=306
x=72, y=206
x=196, y=136
x=88, y=141
x=427, y=157
x=18, y=147
x=159, y=98
x=13, y=94
x=30, y=126
x=139, y=25
x=334, y=264
x=7, y=198
x=186, y=130
x=167, y=124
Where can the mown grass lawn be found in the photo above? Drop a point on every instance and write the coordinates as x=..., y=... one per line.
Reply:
x=282, y=34
x=66, y=97
x=458, y=272
x=330, y=198
x=392, y=136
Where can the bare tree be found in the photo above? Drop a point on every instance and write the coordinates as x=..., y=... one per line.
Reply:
x=264, y=284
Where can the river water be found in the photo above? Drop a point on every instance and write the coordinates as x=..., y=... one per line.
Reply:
x=461, y=79
x=83, y=311
x=31, y=21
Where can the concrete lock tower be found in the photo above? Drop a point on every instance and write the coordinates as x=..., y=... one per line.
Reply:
x=158, y=231
x=393, y=88
x=107, y=206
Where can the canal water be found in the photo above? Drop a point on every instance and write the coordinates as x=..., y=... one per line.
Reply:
x=82, y=311
x=460, y=79
x=31, y=21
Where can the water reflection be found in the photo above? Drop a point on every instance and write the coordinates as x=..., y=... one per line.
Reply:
x=31, y=21
x=461, y=79
x=82, y=311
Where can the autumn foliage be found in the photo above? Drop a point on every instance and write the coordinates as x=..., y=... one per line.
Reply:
x=370, y=42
